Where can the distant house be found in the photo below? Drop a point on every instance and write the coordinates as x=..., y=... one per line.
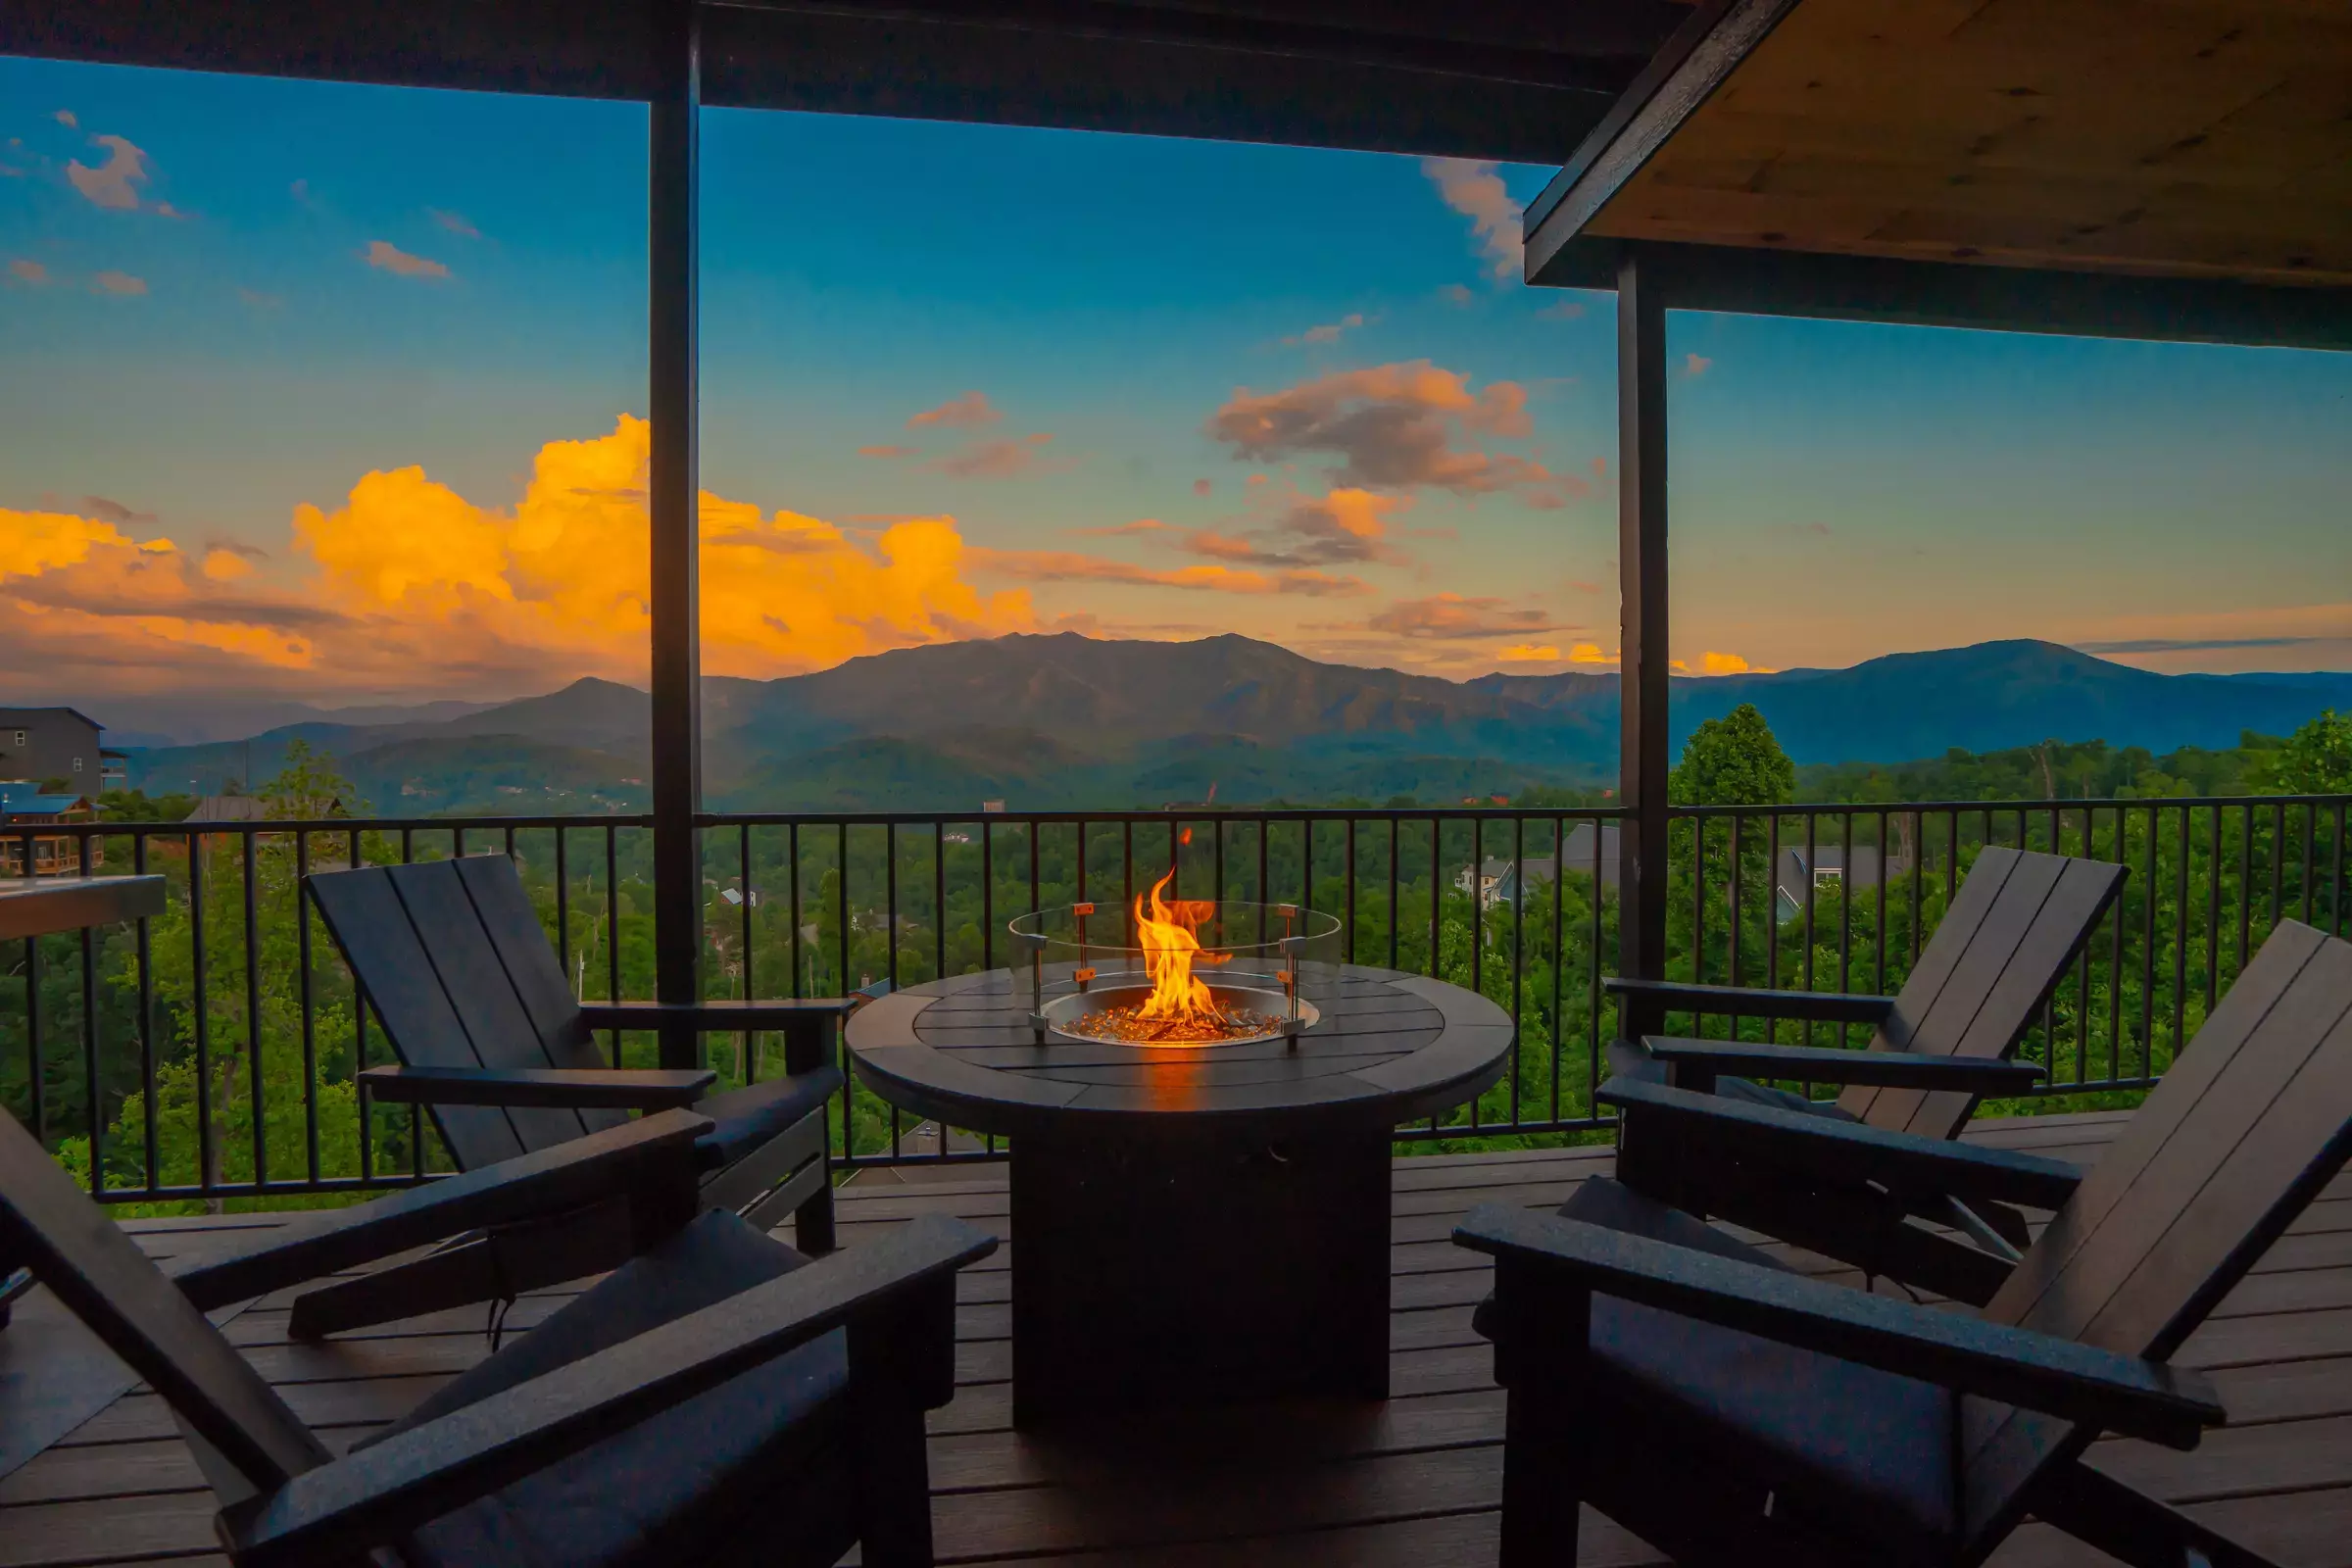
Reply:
x=30, y=819
x=37, y=744
x=1500, y=881
x=246, y=808
x=229, y=808
x=1827, y=870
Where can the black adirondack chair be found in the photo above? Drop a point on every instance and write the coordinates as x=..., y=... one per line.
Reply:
x=1940, y=1044
x=2018, y=921
x=718, y=1399
x=1731, y=1411
x=456, y=968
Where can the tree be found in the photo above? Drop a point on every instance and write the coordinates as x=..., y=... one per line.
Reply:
x=1732, y=760
x=309, y=788
x=2316, y=759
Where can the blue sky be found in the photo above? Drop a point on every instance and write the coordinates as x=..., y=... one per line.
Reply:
x=961, y=380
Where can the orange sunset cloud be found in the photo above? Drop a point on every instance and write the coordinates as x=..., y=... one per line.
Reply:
x=410, y=586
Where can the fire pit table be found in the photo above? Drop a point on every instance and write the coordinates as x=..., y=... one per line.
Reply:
x=1191, y=1222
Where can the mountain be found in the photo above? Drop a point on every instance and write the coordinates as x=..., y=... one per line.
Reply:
x=1052, y=721
x=182, y=720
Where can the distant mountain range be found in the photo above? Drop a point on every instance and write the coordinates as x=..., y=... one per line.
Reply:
x=1052, y=721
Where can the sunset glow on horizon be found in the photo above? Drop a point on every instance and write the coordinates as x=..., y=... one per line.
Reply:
x=336, y=393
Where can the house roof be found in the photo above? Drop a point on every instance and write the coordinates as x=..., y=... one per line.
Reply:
x=2189, y=154
x=229, y=808
x=56, y=708
x=23, y=801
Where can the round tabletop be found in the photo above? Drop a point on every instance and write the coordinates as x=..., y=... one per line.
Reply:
x=1392, y=1048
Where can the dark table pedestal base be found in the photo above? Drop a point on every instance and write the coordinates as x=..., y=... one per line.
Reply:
x=1192, y=1268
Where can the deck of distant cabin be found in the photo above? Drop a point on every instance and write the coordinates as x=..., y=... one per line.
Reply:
x=1416, y=1481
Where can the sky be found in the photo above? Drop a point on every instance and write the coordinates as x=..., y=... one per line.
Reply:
x=337, y=392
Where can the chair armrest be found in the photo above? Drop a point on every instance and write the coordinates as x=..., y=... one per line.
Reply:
x=566, y=1088
x=720, y=1016
x=343, y=1508
x=1820, y=1007
x=1845, y=1152
x=2123, y=1394
x=1893, y=1069
x=634, y=1159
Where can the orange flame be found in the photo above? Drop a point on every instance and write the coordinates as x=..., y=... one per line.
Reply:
x=1170, y=950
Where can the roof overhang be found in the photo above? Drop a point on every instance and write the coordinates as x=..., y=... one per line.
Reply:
x=2023, y=165
x=1518, y=82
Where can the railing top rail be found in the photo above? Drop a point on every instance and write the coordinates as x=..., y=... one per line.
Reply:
x=1180, y=814
x=2099, y=803
x=357, y=824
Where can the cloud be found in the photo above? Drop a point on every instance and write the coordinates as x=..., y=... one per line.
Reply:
x=24, y=270
x=408, y=586
x=114, y=512
x=1141, y=525
x=999, y=460
x=390, y=258
x=1589, y=654
x=1398, y=427
x=1449, y=616
x=889, y=450
x=109, y=184
x=965, y=413
x=114, y=283
x=65, y=117
x=1564, y=311
x=1345, y=525
x=1712, y=663
x=1696, y=365
x=2193, y=645
x=261, y=301
x=1529, y=653
x=454, y=223
x=1456, y=294
x=1329, y=332
x=1201, y=487
x=1066, y=566
x=1472, y=188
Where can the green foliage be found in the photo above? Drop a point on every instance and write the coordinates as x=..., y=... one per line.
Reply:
x=2316, y=759
x=310, y=788
x=1732, y=760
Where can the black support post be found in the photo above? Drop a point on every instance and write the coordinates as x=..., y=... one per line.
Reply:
x=1643, y=756
x=678, y=739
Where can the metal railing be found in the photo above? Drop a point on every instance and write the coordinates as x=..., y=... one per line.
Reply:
x=210, y=1053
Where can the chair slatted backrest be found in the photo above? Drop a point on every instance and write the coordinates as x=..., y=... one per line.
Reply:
x=103, y=1277
x=2240, y=1136
x=2018, y=920
x=420, y=950
x=512, y=926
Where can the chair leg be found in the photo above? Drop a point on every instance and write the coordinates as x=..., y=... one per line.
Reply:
x=813, y=1221
x=1545, y=1432
x=901, y=1363
x=2126, y=1523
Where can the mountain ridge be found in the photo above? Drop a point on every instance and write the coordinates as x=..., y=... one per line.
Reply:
x=1063, y=720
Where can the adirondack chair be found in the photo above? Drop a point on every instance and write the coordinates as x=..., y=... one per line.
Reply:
x=718, y=1399
x=1940, y=1044
x=1729, y=1411
x=455, y=967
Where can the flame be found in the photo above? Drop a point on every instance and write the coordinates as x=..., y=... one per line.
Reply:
x=1170, y=950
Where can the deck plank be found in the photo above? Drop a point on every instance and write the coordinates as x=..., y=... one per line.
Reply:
x=1415, y=1481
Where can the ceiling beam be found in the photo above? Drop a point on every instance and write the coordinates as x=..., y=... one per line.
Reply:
x=1682, y=74
x=1762, y=282
x=1513, y=83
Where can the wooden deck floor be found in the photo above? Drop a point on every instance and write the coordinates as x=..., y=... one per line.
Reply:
x=1415, y=1481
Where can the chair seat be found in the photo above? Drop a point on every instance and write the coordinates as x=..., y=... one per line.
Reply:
x=754, y=1469
x=1645, y=1068
x=749, y=1116
x=1736, y=1403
